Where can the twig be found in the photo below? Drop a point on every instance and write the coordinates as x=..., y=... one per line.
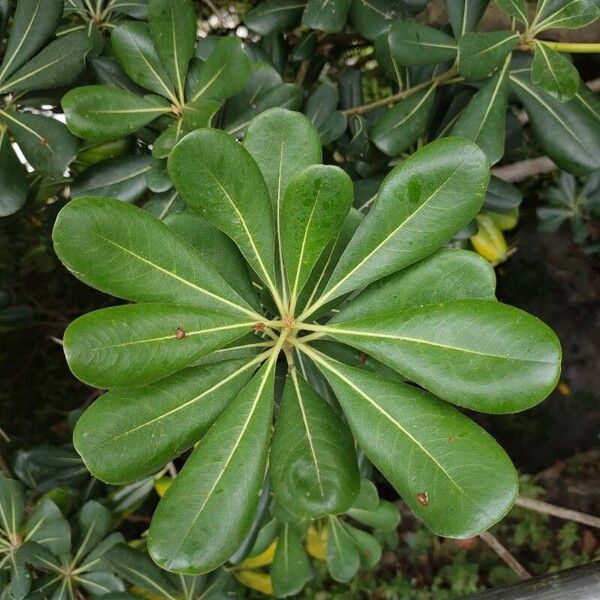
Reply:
x=172, y=470
x=524, y=169
x=505, y=555
x=302, y=71
x=557, y=511
x=4, y=467
x=445, y=78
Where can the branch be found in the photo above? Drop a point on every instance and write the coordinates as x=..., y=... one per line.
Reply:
x=524, y=169
x=505, y=555
x=443, y=79
x=557, y=511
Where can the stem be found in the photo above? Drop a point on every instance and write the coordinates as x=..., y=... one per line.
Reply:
x=505, y=555
x=573, y=47
x=443, y=79
x=557, y=511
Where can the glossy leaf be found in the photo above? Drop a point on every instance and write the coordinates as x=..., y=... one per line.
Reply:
x=401, y=126
x=326, y=16
x=282, y=143
x=314, y=207
x=321, y=110
x=484, y=119
x=127, y=434
x=373, y=18
x=501, y=196
x=217, y=250
x=13, y=182
x=464, y=15
x=139, y=343
x=480, y=53
x=12, y=505
x=415, y=45
x=554, y=73
x=442, y=481
x=274, y=15
x=569, y=132
x=138, y=9
x=101, y=113
x=421, y=204
x=368, y=546
x=343, y=559
x=291, y=568
x=173, y=27
x=313, y=463
x=226, y=471
x=514, y=8
x=482, y=355
x=224, y=74
x=572, y=14
x=46, y=143
x=47, y=526
x=444, y=276
x=136, y=53
x=58, y=64
x=123, y=178
x=218, y=178
x=385, y=516
x=138, y=258
x=33, y=24
x=135, y=567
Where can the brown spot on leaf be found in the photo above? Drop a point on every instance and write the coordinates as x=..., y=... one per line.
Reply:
x=451, y=438
x=363, y=358
x=423, y=498
x=43, y=141
x=259, y=327
x=179, y=333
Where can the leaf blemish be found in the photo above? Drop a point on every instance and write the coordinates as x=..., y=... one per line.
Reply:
x=179, y=333
x=423, y=498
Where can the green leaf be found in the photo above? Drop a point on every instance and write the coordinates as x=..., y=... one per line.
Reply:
x=100, y=582
x=164, y=204
x=368, y=497
x=569, y=132
x=421, y=204
x=484, y=118
x=102, y=113
x=173, y=27
x=282, y=143
x=444, y=276
x=49, y=528
x=328, y=260
x=374, y=17
x=222, y=478
x=13, y=176
x=313, y=462
x=343, y=559
x=464, y=15
x=321, y=110
x=326, y=16
x=224, y=74
x=217, y=250
x=314, y=208
x=123, y=178
x=501, y=196
x=135, y=51
x=217, y=177
x=129, y=433
x=514, y=8
x=449, y=454
x=106, y=70
x=12, y=505
x=384, y=516
x=291, y=568
x=415, y=45
x=136, y=344
x=136, y=568
x=46, y=143
x=20, y=579
x=399, y=127
x=367, y=544
x=93, y=524
x=58, y=64
x=565, y=14
x=554, y=73
x=274, y=15
x=480, y=53
x=138, y=9
x=33, y=25
x=136, y=257
x=478, y=354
